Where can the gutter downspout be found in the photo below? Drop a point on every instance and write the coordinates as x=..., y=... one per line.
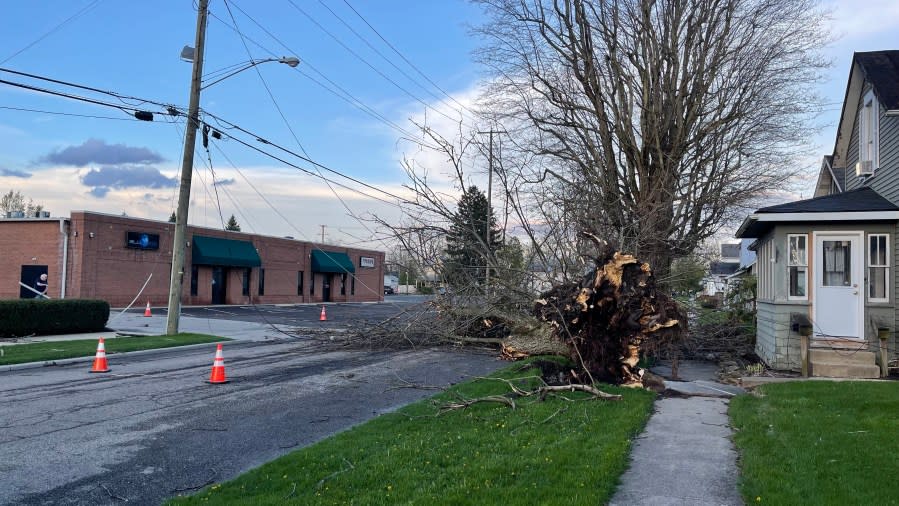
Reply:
x=65, y=256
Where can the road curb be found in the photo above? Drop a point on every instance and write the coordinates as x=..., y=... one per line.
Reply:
x=78, y=360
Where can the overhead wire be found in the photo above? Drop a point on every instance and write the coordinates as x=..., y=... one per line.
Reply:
x=388, y=60
x=369, y=65
x=340, y=92
x=60, y=113
x=264, y=83
x=53, y=30
x=401, y=55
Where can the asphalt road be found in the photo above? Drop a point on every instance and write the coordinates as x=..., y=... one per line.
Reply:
x=152, y=428
x=305, y=314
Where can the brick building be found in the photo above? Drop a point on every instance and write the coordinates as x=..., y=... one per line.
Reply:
x=100, y=256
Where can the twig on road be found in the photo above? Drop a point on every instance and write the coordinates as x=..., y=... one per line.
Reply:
x=119, y=498
x=207, y=482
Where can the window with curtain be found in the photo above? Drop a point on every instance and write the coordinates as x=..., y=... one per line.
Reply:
x=878, y=267
x=797, y=263
x=837, y=263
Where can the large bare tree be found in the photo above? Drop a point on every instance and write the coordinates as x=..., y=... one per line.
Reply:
x=653, y=123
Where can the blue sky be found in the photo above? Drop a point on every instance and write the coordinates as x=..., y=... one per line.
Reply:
x=118, y=165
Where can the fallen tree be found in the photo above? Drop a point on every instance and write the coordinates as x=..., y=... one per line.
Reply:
x=612, y=317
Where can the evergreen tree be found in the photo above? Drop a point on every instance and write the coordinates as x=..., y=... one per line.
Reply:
x=472, y=241
x=172, y=217
x=232, y=224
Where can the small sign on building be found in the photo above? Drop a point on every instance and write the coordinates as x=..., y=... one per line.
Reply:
x=141, y=240
x=366, y=261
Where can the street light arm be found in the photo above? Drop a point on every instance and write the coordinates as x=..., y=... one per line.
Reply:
x=291, y=61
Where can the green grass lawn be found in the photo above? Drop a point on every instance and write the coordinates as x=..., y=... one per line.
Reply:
x=56, y=350
x=817, y=442
x=543, y=452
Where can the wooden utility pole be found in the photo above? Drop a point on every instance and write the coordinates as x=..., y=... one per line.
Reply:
x=179, y=242
x=489, y=204
x=323, y=233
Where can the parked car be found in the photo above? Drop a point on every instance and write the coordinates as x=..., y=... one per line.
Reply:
x=388, y=290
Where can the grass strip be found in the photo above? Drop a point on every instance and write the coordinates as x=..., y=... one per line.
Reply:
x=817, y=442
x=542, y=452
x=56, y=350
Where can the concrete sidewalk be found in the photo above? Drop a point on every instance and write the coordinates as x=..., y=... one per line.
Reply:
x=685, y=455
x=136, y=324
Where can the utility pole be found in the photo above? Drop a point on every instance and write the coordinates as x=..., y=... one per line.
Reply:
x=489, y=203
x=323, y=233
x=187, y=165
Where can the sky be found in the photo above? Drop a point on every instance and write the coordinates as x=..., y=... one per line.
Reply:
x=347, y=105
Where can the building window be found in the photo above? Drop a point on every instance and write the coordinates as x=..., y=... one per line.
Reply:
x=299, y=282
x=353, y=285
x=194, y=273
x=343, y=284
x=798, y=265
x=868, y=130
x=878, y=267
x=765, y=263
x=312, y=285
x=245, y=282
x=261, y=281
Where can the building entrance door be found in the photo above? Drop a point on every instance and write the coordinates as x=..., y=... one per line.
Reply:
x=218, y=285
x=30, y=275
x=326, y=286
x=838, y=274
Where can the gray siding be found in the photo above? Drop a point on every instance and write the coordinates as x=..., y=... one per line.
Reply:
x=776, y=343
x=886, y=179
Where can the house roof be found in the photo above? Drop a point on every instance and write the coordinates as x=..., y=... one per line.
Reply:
x=863, y=204
x=723, y=268
x=839, y=175
x=882, y=70
x=862, y=199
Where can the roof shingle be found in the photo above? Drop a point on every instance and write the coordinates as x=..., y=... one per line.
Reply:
x=881, y=68
x=860, y=200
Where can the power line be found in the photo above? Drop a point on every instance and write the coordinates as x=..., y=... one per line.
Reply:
x=388, y=60
x=369, y=65
x=304, y=158
x=265, y=84
x=340, y=92
x=58, y=113
x=53, y=30
x=400, y=54
x=124, y=107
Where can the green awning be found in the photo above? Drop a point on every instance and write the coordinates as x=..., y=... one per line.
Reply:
x=331, y=261
x=229, y=252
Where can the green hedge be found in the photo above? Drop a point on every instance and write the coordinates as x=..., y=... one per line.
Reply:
x=42, y=317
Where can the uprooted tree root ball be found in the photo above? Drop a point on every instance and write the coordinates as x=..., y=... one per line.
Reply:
x=612, y=317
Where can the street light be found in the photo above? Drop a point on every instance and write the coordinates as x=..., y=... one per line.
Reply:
x=187, y=162
x=291, y=61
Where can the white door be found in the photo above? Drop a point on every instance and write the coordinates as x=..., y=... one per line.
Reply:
x=838, y=279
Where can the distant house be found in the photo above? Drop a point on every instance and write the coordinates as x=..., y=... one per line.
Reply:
x=830, y=260
x=715, y=283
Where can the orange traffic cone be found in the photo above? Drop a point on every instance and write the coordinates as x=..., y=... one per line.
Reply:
x=100, y=364
x=218, y=367
x=147, y=311
x=324, y=316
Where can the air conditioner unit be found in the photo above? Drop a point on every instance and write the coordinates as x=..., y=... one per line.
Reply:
x=864, y=168
x=45, y=214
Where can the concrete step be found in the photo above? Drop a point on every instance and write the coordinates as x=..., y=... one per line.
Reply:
x=841, y=356
x=837, y=343
x=844, y=370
